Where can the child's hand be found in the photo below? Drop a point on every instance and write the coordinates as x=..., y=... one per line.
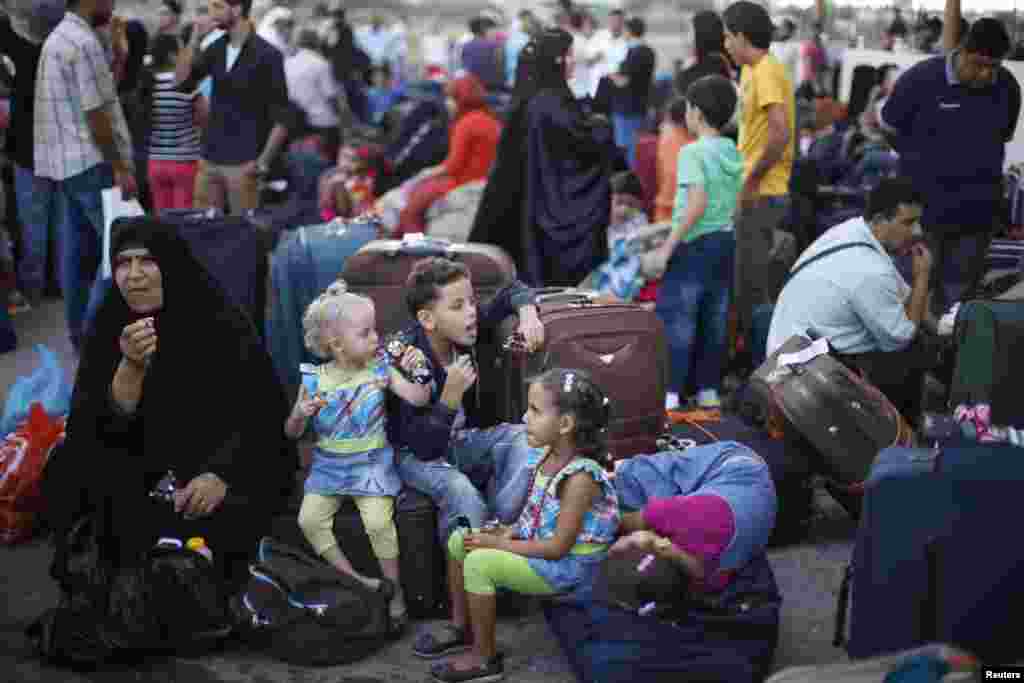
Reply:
x=411, y=360
x=638, y=540
x=476, y=540
x=307, y=406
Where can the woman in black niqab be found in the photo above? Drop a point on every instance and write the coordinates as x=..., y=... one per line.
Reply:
x=555, y=225
x=211, y=406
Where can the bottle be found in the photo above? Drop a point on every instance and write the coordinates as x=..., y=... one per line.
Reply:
x=198, y=544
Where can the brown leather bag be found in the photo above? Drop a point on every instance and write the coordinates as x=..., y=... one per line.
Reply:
x=380, y=269
x=623, y=348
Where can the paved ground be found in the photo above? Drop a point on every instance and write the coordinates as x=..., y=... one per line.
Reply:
x=808, y=575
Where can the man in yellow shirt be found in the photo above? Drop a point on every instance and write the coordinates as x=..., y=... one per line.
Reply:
x=767, y=143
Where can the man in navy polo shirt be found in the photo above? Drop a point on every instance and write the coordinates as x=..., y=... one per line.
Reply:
x=951, y=118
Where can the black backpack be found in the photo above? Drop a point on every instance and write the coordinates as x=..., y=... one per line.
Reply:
x=171, y=601
x=305, y=612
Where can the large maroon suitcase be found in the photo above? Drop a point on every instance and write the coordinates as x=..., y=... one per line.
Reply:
x=380, y=269
x=622, y=346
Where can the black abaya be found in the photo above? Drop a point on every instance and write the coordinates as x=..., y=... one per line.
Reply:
x=548, y=199
x=211, y=402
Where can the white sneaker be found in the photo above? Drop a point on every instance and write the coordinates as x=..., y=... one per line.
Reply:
x=671, y=401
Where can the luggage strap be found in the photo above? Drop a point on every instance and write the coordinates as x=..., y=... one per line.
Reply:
x=827, y=252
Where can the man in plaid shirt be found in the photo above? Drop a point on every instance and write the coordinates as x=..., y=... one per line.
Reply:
x=82, y=144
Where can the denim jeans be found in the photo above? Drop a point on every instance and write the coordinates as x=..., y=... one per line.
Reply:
x=37, y=212
x=80, y=211
x=693, y=302
x=484, y=476
x=627, y=127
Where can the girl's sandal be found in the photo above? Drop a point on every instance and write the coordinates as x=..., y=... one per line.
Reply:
x=429, y=646
x=493, y=670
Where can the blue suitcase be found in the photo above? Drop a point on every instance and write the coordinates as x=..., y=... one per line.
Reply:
x=933, y=561
x=304, y=263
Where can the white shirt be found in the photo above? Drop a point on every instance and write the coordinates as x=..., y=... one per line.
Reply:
x=614, y=50
x=74, y=78
x=311, y=85
x=382, y=47
x=855, y=297
x=232, y=55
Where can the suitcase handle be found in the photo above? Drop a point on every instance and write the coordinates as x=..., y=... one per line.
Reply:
x=418, y=244
x=563, y=295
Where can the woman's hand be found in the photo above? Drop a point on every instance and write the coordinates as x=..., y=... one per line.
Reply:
x=201, y=497
x=476, y=540
x=638, y=540
x=138, y=342
x=531, y=328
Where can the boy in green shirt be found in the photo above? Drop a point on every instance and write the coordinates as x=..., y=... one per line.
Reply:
x=698, y=257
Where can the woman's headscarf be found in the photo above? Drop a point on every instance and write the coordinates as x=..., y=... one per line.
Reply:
x=211, y=400
x=469, y=95
x=559, y=165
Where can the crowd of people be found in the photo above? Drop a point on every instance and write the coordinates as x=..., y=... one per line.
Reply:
x=554, y=123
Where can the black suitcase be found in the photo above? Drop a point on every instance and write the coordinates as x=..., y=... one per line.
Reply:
x=421, y=558
x=788, y=460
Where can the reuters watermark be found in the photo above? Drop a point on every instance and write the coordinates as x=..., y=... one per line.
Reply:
x=1002, y=673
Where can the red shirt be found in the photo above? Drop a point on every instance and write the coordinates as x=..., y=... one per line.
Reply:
x=472, y=147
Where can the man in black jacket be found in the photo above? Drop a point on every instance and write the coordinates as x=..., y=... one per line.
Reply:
x=633, y=89
x=440, y=448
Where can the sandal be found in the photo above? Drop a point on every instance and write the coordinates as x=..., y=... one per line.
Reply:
x=429, y=646
x=493, y=670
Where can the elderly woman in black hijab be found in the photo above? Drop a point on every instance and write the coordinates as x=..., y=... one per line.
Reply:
x=173, y=378
x=548, y=198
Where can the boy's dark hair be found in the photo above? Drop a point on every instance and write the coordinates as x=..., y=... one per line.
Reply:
x=636, y=26
x=245, y=4
x=886, y=198
x=163, y=49
x=676, y=110
x=575, y=392
x=477, y=26
x=988, y=37
x=715, y=97
x=626, y=182
x=616, y=13
x=186, y=33
x=708, y=34
x=427, y=277
x=751, y=20
x=174, y=6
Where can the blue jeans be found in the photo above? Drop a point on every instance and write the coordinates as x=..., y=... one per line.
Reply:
x=37, y=212
x=80, y=208
x=693, y=302
x=627, y=126
x=484, y=476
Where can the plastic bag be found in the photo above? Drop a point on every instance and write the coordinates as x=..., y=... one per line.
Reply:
x=23, y=455
x=47, y=384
